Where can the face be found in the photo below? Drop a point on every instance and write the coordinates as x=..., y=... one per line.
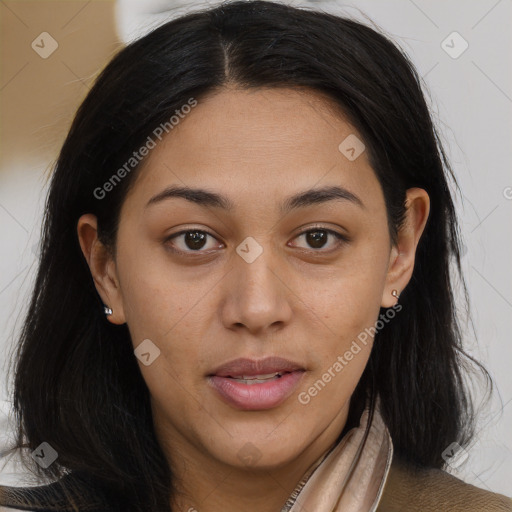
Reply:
x=266, y=277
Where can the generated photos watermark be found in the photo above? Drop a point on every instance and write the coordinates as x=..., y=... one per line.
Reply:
x=342, y=360
x=143, y=151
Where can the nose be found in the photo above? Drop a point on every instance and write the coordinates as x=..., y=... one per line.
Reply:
x=257, y=295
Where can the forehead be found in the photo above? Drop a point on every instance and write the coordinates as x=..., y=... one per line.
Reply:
x=259, y=142
x=268, y=125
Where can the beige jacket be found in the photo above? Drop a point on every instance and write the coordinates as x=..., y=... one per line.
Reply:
x=434, y=490
x=430, y=490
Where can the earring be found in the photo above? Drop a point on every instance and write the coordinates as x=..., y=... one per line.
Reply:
x=107, y=310
x=395, y=294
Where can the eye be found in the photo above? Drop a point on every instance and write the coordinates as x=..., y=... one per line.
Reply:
x=191, y=240
x=196, y=240
x=318, y=237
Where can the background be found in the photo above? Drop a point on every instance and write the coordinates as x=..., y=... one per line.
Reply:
x=51, y=51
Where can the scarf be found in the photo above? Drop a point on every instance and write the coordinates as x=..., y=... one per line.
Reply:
x=350, y=477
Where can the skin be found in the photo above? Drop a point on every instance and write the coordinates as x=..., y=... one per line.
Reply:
x=297, y=300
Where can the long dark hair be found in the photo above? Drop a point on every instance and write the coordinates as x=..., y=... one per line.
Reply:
x=77, y=384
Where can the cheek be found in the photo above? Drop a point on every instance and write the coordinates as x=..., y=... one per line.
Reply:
x=342, y=353
x=347, y=334
x=349, y=301
x=344, y=309
x=169, y=309
x=156, y=297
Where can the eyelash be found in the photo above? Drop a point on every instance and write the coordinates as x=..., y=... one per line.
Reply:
x=341, y=240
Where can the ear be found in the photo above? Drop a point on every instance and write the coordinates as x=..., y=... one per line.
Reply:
x=102, y=267
x=402, y=257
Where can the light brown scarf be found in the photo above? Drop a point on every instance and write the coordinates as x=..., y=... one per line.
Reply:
x=350, y=477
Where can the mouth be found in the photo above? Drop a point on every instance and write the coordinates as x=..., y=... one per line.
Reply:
x=257, y=379
x=256, y=384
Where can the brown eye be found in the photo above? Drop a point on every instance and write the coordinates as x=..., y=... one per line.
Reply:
x=319, y=238
x=189, y=241
x=195, y=239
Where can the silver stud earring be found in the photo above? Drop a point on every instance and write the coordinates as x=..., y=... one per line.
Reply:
x=395, y=294
x=107, y=310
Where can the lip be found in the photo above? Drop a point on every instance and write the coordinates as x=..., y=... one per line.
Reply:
x=252, y=367
x=256, y=396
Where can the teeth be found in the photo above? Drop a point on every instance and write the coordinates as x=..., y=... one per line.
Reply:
x=266, y=376
x=257, y=379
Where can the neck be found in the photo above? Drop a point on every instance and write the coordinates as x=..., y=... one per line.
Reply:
x=206, y=484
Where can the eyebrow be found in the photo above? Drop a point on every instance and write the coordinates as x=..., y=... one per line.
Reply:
x=302, y=199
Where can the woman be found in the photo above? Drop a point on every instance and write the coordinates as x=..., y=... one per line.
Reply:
x=244, y=299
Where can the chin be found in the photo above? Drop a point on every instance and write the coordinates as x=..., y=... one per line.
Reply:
x=261, y=455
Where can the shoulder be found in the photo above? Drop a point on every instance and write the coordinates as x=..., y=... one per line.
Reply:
x=414, y=489
x=56, y=496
